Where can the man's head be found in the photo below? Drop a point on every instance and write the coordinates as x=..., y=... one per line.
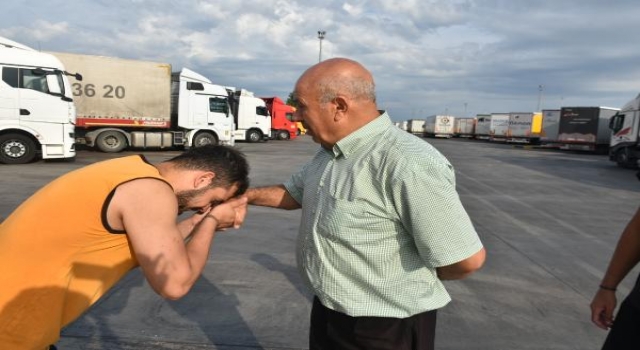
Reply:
x=206, y=176
x=334, y=98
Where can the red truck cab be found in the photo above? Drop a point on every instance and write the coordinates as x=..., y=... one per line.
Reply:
x=282, y=125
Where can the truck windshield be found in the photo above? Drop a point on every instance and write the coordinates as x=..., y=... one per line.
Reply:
x=262, y=111
x=34, y=81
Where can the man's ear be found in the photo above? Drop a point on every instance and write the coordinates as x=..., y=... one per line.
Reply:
x=341, y=107
x=204, y=179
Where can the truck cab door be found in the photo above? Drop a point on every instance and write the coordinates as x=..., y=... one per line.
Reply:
x=37, y=103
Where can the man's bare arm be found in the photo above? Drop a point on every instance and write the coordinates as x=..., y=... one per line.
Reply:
x=148, y=209
x=463, y=268
x=272, y=196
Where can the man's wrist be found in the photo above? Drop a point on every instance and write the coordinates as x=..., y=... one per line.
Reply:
x=211, y=217
x=605, y=287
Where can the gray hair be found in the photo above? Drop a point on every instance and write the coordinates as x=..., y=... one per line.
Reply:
x=356, y=88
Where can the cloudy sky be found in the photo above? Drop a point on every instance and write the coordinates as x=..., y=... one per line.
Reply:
x=427, y=56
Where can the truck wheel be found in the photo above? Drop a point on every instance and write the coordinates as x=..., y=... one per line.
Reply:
x=625, y=161
x=111, y=141
x=204, y=138
x=16, y=149
x=283, y=135
x=254, y=136
x=298, y=132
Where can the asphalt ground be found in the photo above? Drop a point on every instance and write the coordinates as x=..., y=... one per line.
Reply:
x=549, y=220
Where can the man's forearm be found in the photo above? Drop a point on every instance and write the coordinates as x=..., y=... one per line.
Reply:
x=272, y=196
x=626, y=255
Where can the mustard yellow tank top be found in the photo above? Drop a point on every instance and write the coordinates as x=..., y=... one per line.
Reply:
x=58, y=255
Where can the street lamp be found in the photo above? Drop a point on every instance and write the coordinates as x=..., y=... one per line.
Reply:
x=540, y=88
x=321, y=34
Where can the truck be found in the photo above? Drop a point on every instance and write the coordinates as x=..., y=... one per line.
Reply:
x=550, y=127
x=439, y=126
x=251, y=116
x=125, y=103
x=464, y=127
x=624, y=146
x=585, y=128
x=283, y=127
x=524, y=127
x=415, y=126
x=37, y=112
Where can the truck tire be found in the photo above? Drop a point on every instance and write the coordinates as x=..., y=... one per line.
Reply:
x=254, y=135
x=626, y=161
x=111, y=141
x=282, y=135
x=204, y=138
x=16, y=149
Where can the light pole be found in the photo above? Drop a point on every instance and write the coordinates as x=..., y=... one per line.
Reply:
x=540, y=88
x=321, y=34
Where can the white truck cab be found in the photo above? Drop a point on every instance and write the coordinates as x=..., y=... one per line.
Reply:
x=37, y=113
x=203, y=109
x=252, y=119
x=624, y=146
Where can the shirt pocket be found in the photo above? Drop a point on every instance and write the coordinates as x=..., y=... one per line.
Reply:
x=353, y=221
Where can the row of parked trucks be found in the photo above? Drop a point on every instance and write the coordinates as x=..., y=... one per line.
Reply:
x=595, y=129
x=112, y=104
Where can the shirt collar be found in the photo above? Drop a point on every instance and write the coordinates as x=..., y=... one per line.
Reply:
x=367, y=134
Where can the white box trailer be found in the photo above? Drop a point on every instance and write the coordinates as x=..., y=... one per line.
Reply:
x=524, y=127
x=464, y=127
x=550, y=127
x=624, y=146
x=415, y=126
x=499, y=129
x=37, y=113
x=483, y=126
x=132, y=103
x=585, y=128
x=439, y=126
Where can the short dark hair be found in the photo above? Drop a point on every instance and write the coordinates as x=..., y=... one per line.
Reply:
x=230, y=165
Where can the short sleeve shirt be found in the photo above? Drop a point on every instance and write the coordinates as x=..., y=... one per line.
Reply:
x=380, y=212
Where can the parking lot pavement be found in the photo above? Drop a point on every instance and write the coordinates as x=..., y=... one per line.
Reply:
x=549, y=221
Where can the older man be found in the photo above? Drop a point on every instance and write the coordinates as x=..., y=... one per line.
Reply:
x=382, y=223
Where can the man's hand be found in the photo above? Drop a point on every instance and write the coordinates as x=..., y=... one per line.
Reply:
x=602, y=307
x=230, y=213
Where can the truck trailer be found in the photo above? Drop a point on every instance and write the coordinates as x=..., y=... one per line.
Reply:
x=37, y=113
x=499, y=127
x=415, y=126
x=624, y=146
x=283, y=127
x=131, y=103
x=524, y=127
x=585, y=128
x=550, y=128
x=439, y=126
x=483, y=126
x=464, y=127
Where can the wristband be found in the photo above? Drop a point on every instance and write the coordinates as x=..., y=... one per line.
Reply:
x=607, y=288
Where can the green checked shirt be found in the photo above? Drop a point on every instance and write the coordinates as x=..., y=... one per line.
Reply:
x=380, y=212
